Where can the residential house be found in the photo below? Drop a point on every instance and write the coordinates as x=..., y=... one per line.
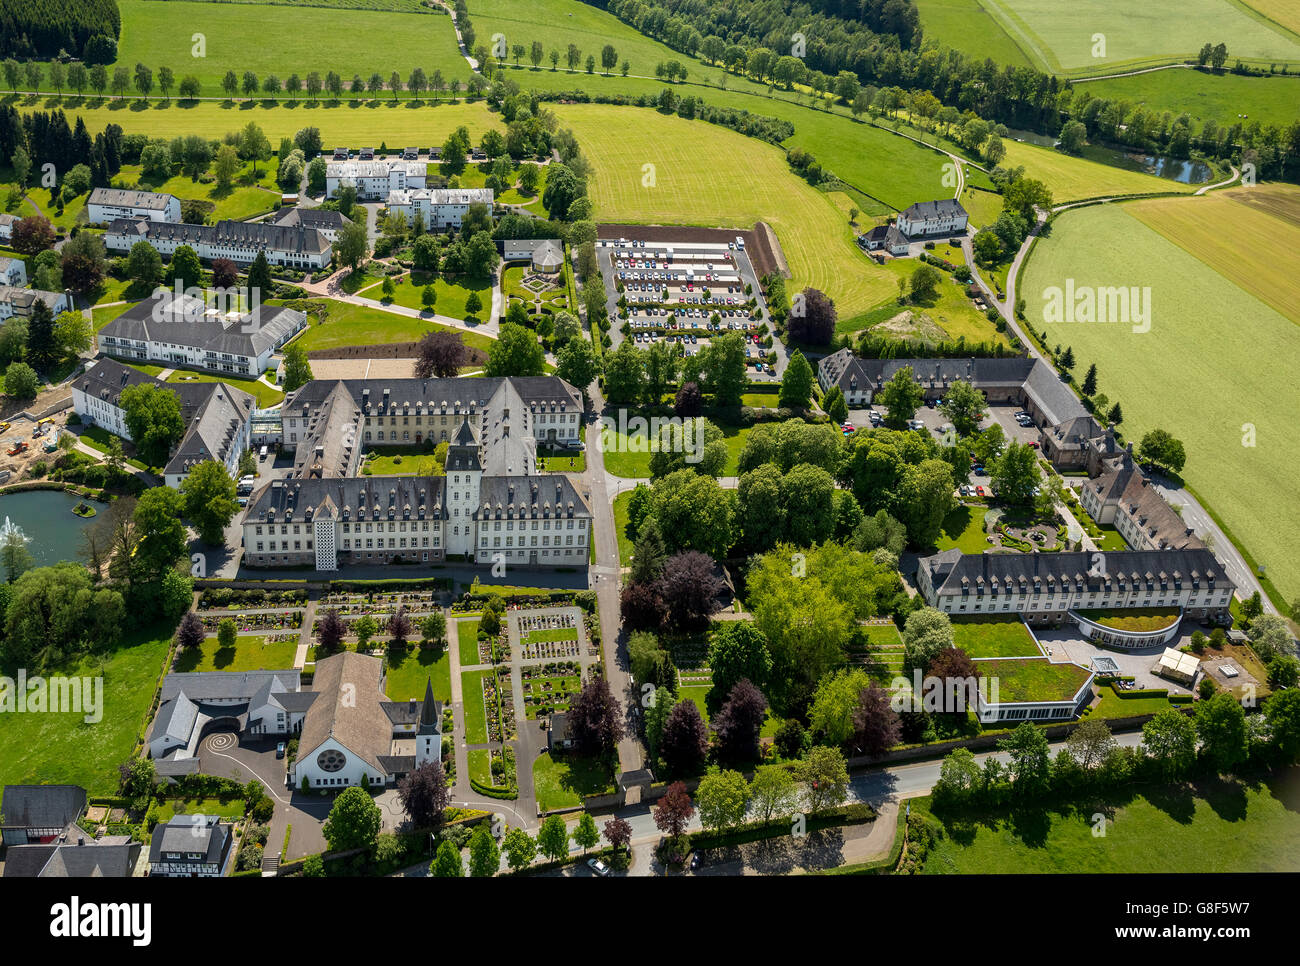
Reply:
x=39, y=814
x=190, y=847
x=929, y=218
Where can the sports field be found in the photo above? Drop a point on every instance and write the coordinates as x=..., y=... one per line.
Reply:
x=1269, y=100
x=1072, y=179
x=1093, y=37
x=292, y=40
x=1216, y=369
x=966, y=26
x=1220, y=826
x=370, y=124
x=703, y=174
x=1262, y=252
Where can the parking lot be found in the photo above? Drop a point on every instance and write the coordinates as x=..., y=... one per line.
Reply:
x=684, y=293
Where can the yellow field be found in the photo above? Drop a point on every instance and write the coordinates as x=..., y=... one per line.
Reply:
x=1235, y=234
x=654, y=169
x=1072, y=179
x=1279, y=200
x=1285, y=12
x=367, y=125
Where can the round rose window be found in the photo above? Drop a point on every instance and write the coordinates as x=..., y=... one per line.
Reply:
x=330, y=760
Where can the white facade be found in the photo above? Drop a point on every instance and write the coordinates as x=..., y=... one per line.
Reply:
x=13, y=271
x=331, y=764
x=210, y=243
x=438, y=208
x=108, y=204
x=374, y=179
x=18, y=301
x=944, y=217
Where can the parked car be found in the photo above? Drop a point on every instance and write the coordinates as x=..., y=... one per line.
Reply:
x=280, y=749
x=598, y=867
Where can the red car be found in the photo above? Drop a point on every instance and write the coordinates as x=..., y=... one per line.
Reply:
x=980, y=491
x=1032, y=444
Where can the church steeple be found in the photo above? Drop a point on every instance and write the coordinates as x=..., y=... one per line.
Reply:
x=429, y=718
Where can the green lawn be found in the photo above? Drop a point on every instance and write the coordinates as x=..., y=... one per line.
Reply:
x=948, y=308
x=993, y=637
x=1138, y=619
x=551, y=634
x=698, y=694
x=480, y=766
x=267, y=396
x=1219, y=826
x=563, y=779
x=247, y=196
x=1033, y=679
x=1163, y=375
x=404, y=461
x=451, y=296
x=250, y=653
x=232, y=809
x=471, y=684
x=1112, y=705
x=963, y=528
x=64, y=748
x=563, y=464
x=347, y=324
x=628, y=454
x=1071, y=179
x=625, y=542
x=409, y=672
x=467, y=641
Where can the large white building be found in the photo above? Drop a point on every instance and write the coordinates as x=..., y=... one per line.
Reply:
x=438, y=208
x=239, y=241
x=328, y=223
x=109, y=204
x=374, y=179
x=491, y=504
x=217, y=417
x=1047, y=588
x=943, y=217
x=181, y=330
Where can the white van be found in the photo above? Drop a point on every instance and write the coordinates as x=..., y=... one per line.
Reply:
x=262, y=455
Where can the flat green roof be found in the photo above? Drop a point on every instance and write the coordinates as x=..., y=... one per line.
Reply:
x=1033, y=679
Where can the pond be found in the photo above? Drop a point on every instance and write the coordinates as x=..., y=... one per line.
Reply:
x=1162, y=166
x=45, y=517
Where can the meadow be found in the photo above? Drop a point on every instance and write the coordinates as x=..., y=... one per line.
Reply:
x=1073, y=179
x=370, y=122
x=296, y=40
x=704, y=174
x=1064, y=38
x=63, y=748
x=348, y=324
x=1284, y=12
x=1222, y=97
x=966, y=26
x=1215, y=370
x=1219, y=826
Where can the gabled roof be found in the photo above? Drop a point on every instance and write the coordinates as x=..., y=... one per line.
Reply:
x=164, y=317
x=352, y=717
x=205, y=834
x=42, y=806
x=90, y=860
x=952, y=571
x=943, y=208
x=124, y=198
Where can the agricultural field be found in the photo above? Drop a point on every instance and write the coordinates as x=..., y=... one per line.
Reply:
x=1209, y=340
x=370, y=123
x=708, y=175
x=305, y=39
x=1061, y=39
x=966, y=26
x=1218, y=826
x=1222, y=97
x=1283, y=12
x=1263, y=254
x=1073, y=179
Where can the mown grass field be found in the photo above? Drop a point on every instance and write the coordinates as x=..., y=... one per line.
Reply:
x=1226, y=826
x=1060, y=38
x=250, y=653
x=266, y=395
x=467, y=642
x=966, y=26
x=451, y=296
x=64, y=748
x=1269, y=100
x=1072, y=179
x=1216, y=369
x=369, y=123
x=1261, y=254
x=283, y=40
x=410, y=670
x=704, y=174
x=350, y=324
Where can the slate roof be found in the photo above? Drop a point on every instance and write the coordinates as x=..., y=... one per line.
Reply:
x=258, y=235
x=191, y=833
x=320, y=219
x=25, y=298
x=1130, y=490
x=214, y=413
x=124, y=198
x=42, y=806
x=352, y=498
x=457, y=394
x=442, y=196
x=184, y=321
x=948, y=570
x=943, y=208
x=72, y=861
x=353, y=718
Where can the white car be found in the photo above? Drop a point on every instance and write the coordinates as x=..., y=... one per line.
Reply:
x=598, y=867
